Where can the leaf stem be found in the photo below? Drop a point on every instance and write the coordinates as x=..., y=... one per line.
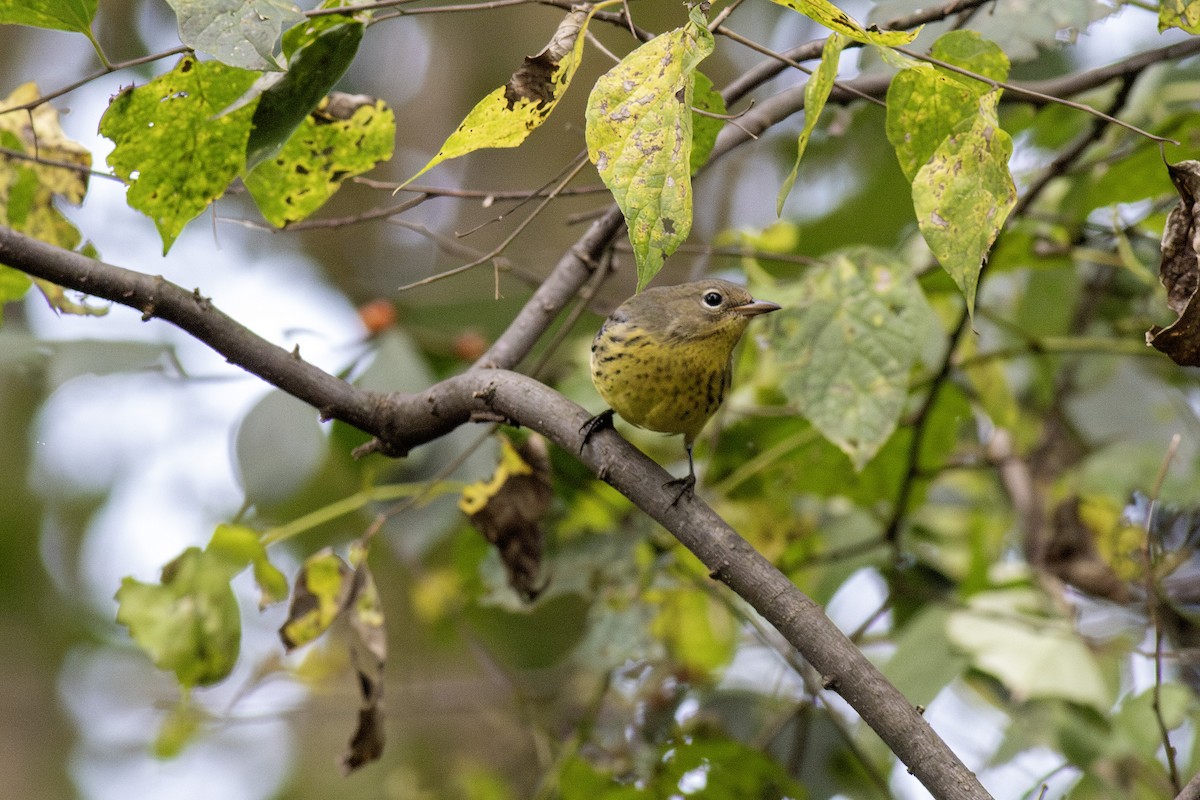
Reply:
x=352, y=503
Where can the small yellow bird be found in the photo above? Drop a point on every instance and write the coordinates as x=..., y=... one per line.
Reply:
x=664, y=359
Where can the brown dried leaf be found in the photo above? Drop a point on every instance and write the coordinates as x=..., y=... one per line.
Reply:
x=368, y=652
x=1179, y=270
x=534, y=79
x=508, y=510
x=1072, y=556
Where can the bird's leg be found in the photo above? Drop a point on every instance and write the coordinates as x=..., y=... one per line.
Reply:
x=602, y=420
x=687, y=486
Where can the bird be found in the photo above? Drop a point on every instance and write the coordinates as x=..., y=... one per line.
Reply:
x=663, y=360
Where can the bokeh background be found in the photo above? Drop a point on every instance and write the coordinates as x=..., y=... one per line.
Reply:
x=125, y=442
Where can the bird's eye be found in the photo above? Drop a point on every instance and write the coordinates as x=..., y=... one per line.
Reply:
x=712, y=299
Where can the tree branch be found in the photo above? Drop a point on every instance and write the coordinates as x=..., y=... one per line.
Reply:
x=403, y=421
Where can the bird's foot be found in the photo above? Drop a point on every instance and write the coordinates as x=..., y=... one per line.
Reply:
x=686, y=486
x=602, y=420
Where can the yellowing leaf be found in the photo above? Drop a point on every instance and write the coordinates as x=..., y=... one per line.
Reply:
x=925, y=103
x=816, y=92
x=964, y=194
x=835, y=19
x=511, y=112
x=322, y=590
x=509, y=508
x=476, y=496
x=172, y=148
x=334, y=143
x=1182, y=14
x=639, y=136
x=29, y=188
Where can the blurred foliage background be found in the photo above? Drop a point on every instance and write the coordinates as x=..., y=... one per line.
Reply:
x=992, y=556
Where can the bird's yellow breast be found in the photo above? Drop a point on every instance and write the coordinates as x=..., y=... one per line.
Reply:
x=670, y=387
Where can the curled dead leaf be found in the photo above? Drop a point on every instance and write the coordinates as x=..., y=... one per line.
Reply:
x=508, y=510
x=534, y=79
x=1179, y=270
x=1072, y=556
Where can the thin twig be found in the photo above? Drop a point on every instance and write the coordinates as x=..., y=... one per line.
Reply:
x=766, y=51
x=486, y=195
x=332, y=222
x=70, y=87
x=1033, y=94
x=1153, y=598
x=500, y=248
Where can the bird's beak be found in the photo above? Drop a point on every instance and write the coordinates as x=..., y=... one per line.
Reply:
x=756, y=307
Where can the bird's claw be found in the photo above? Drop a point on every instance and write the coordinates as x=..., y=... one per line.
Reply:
x=687, y=486
x=602, y=420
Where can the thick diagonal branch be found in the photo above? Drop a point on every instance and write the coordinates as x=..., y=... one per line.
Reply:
x=403, y=421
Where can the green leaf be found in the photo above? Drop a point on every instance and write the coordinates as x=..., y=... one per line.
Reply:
x=963, y=196
x=178, y=729
x=705, y=127
x=816, y=92
x=241, y=33
x=13, y=286
x=1032, y=655
x=59, y=15
x=832, y=17
x=1182, y=14
x=279, y=446
x=924, y=662
x=845, y=343
x=313, y=69
x=330, y=146
x=172, y=148
x=639, y=136
x=508, y=114
x=712, y=768
x=926, y=103
x=241, y=546
x=1135, y=725
x=696, y=630
x=188, y=623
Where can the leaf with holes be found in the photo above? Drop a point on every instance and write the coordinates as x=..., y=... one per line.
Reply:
x=926, y=103
x=345, y=136
x=1182, y=14
x=172, y=148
